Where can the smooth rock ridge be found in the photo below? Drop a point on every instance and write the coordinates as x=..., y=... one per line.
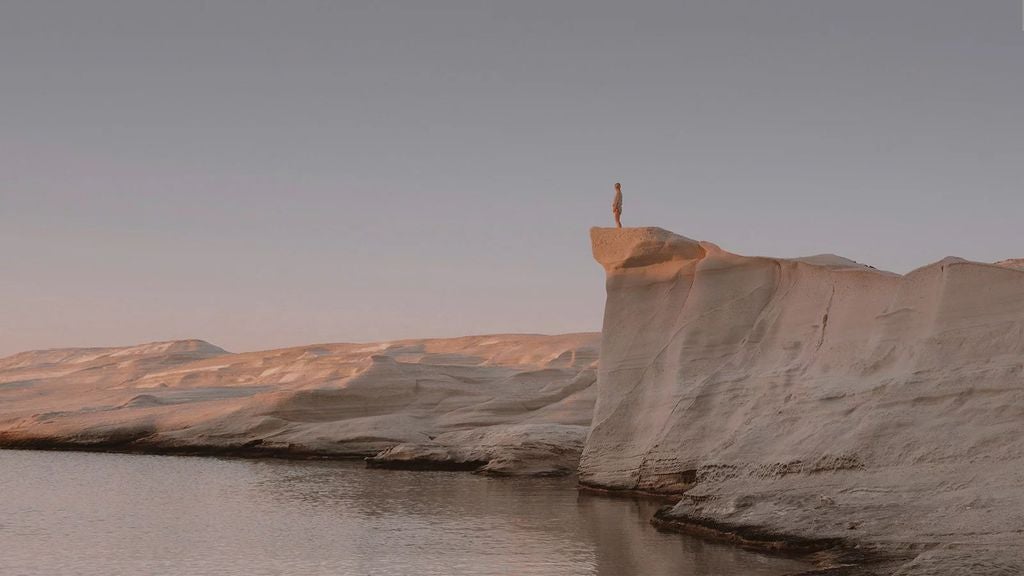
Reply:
x=816, y=398
x=504, y=404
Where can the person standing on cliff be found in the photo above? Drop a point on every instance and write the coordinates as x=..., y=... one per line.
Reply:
x=617, y=205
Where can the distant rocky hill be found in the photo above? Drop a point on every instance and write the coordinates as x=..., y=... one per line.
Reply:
x=504, y=403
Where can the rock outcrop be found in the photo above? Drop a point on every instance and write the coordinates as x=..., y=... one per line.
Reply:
x=506, y=404
x=816, y=400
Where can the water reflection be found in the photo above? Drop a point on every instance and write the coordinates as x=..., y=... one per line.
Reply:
x=68, y=513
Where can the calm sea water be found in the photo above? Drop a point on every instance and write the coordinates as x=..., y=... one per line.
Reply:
x=105, y=514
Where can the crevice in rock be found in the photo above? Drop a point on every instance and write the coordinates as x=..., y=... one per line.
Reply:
x=824, y=319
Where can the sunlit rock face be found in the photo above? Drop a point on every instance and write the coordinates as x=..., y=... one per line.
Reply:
x=510, y=399
x=810, y=395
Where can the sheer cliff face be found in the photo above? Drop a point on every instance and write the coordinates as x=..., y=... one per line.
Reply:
x=723, y=376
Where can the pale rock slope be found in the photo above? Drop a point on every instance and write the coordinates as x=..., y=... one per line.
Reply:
x=510, y=404
x=1015, y=263
x=816, y=398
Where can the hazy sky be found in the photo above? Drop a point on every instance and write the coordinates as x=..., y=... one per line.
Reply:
x=261, y=174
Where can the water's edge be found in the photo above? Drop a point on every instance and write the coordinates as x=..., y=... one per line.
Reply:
x=138, y=446
x=828, y=556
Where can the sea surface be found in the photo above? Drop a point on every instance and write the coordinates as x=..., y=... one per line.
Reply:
x=106, y=514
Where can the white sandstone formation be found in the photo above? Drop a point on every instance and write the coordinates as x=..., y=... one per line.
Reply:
x=507, y=403
x=816, y=398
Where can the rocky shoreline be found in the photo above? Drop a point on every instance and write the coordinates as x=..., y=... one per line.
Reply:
x=832, y=557
x=829, y=556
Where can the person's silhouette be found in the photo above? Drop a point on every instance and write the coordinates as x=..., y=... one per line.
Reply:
x=617, y=205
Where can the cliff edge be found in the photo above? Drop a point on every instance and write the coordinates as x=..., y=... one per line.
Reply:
x=815, y=398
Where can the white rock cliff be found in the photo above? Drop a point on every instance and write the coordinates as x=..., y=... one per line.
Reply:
x=815, y=398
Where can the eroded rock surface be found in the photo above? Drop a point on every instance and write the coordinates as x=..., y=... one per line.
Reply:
x=517, y=403
x=502, y=450
x=816, y=398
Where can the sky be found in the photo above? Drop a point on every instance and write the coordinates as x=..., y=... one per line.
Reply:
x=265, y=174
